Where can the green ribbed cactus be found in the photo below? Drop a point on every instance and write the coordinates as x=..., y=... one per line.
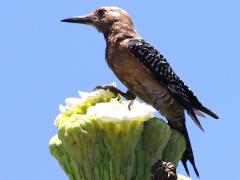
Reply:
x=99, y=138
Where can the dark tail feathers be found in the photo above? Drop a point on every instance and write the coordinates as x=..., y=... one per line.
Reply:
x=207, y=111
x=188, y=156
x=192, y=113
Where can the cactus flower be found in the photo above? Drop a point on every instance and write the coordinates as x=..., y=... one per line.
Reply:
x=99, y=138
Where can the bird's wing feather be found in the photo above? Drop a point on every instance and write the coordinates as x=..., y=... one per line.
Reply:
x=160, y=68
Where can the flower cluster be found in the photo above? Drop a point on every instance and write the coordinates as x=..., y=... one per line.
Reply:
x=99, y=137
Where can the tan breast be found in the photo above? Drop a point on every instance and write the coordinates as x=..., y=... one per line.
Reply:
x=134, y=75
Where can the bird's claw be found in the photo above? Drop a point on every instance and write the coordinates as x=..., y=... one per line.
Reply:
x=130, y=105
x=110, y=88
x=128, y=95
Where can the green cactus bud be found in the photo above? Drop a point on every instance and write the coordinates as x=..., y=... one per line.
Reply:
x=58, y=151
x=175, y=147
x=153, y=141
x=85, y=146
x=121, y=130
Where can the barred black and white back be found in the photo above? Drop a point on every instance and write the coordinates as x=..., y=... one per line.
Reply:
x=162, y=71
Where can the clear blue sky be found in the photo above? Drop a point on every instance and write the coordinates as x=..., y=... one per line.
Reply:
x=43, y=61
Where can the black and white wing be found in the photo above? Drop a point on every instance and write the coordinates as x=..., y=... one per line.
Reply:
x=162, y=71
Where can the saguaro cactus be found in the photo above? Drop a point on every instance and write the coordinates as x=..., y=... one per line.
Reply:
x=100, y=138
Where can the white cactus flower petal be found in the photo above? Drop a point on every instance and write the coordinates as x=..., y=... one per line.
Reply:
x=114, y=110
x=182, y=177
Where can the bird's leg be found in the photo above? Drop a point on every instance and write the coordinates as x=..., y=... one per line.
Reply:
x=127, y=95
x=130, y=104
x=130, y=96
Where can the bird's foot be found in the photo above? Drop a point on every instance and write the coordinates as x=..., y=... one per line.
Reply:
x=110, y=88
x=128, y=95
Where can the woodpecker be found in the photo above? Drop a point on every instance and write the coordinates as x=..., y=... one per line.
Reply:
x=145, y=72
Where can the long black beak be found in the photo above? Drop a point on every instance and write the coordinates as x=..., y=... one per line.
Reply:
x=89, y=19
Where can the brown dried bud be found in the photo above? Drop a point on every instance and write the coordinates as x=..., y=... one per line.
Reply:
x=163, y=171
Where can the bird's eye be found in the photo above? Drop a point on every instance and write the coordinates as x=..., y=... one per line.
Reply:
x=101, y=12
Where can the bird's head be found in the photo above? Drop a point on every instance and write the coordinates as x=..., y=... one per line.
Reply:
x=106, y=20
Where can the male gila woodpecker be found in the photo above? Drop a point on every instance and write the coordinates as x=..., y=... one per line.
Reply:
x=145, y=72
